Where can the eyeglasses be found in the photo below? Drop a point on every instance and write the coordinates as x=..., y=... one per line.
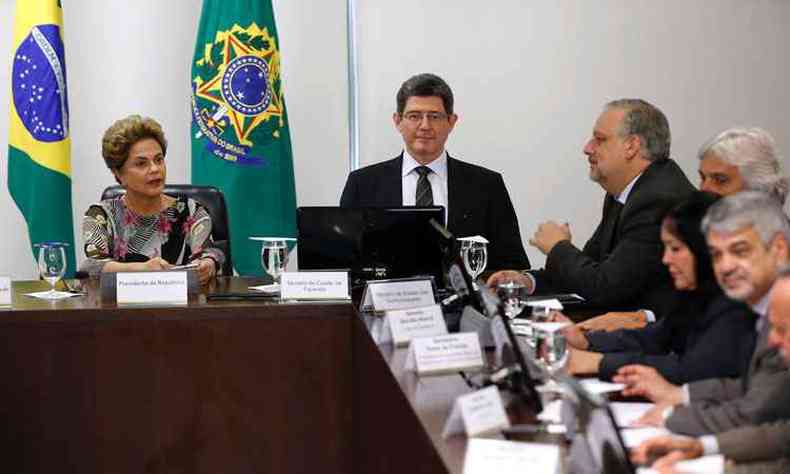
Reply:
x=416, y=117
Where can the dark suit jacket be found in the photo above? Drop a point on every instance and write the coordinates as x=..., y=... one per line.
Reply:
x=686, y=345
x=760, y=396
x=477, y=198
x=620, y=266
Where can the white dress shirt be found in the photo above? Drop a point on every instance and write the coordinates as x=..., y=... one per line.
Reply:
x=438, y=180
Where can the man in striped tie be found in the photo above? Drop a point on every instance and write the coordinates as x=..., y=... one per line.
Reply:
x=475, y=199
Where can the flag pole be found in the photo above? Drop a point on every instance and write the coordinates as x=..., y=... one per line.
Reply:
x=353, y=86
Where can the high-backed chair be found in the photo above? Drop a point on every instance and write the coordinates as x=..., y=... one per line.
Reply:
x=212, y=199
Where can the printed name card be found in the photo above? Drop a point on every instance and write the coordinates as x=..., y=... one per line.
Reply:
x=477, y=413
x=402, y=294
x=484, y=456
x=5, y=291
x=151, y=287
x=407, y=324
x=314, y=285
x=444, y=354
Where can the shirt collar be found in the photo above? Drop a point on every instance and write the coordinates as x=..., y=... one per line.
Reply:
x=623, y=197
x=438, y=166
x=761, y=308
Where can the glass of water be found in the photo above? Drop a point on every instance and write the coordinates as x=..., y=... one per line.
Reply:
x=51, y=265
x=475, y=257
x=512, y=294
x=274, y=257
x=551, y=348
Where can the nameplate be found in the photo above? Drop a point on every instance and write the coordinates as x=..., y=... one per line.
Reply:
x=151, y=287
x=390, y=295
x=444, y=354
x=477, y=413
x=484, y=456
x=5, y=291
x=314, y=285
x=407, y=324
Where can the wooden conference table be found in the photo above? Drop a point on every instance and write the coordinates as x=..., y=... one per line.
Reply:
x=214, y=386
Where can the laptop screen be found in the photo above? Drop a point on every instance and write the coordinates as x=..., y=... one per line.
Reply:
x=372, y=243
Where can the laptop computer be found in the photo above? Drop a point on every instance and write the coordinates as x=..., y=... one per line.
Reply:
x=370, y=243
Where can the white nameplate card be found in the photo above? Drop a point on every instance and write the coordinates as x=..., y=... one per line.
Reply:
x=484, y=456
x=151, y=287
x=403, y=325
x=399, y=294
x=444, y=354
x=477, y=413
x=314, y=285
x=5, y=291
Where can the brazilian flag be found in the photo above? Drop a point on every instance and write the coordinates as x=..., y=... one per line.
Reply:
x=240, y=137
x=39, y=162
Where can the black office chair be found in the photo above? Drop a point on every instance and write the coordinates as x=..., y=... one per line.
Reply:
x=212, y=199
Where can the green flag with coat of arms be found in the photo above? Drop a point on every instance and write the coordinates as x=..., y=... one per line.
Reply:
x=240, y=138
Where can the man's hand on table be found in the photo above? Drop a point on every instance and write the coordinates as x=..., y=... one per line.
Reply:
x=644, y=381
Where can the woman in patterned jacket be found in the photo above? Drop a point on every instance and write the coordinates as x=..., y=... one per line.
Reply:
x=145, y=229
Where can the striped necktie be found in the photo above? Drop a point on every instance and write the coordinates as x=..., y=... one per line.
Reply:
x=424, y=195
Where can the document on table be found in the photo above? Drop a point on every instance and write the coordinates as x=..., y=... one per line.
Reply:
x=484, y=456
x=626, y=413
x=599, y=387
x=705, y=465
x=633, y=437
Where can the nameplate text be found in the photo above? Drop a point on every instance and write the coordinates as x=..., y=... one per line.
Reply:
x=477, y=413
x=393, y=295
x=408, y=324
x=151, y=287
x=444, y=354
x=314, y=285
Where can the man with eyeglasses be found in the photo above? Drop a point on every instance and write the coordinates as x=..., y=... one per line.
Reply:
x=620, y=266
x=424, y=174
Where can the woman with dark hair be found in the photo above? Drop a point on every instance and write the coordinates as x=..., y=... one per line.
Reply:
x=145, y=229
x=705, y=335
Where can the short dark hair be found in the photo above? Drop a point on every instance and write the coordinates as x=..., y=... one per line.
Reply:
x=647, y=122
x=425, y=85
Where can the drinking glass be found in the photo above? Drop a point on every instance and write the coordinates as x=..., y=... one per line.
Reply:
x=51, y=265
x=512, y=294
x=551, y=348
x=475, y=257
x=274, y=257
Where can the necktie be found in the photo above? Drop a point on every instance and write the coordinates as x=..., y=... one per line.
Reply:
x=424, y=195
x=613, y=219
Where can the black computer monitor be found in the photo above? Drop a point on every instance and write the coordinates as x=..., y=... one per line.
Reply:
x=371, y=243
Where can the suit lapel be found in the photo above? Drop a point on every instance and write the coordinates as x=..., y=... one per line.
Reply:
x=457, y=201
x=392, y=183
x=760, y=349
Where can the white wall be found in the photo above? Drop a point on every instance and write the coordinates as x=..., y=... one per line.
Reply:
x=134, y=57
x=529, y=77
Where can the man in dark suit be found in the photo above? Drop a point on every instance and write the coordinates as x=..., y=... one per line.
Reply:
x=749, y=239
x=620, y=266
x=425, y=174
x=768, y=443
